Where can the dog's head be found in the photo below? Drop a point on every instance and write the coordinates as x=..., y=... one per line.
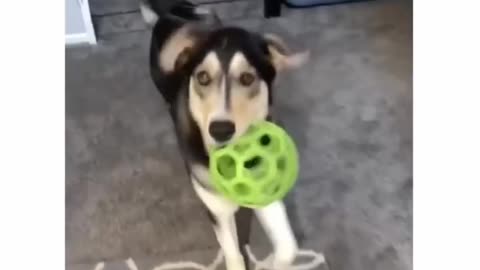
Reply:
x=229, y=74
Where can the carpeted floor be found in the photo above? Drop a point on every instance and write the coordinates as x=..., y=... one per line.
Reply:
x=349, y=109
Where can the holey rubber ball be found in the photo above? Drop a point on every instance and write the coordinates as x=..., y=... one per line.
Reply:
x=256, y=169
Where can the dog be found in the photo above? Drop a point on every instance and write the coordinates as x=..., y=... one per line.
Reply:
x=217, y=81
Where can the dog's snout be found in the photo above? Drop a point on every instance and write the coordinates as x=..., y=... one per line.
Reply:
x=221, y=130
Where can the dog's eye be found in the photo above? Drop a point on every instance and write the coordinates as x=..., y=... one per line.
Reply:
x=203, y=78
x=246, y=78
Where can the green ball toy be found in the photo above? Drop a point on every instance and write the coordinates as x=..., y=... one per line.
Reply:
x=256, y=169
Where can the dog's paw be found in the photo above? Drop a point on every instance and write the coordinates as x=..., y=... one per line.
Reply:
x=235, y=264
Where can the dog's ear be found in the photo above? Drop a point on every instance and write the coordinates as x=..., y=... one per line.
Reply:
x=183, y=58
x=179, y=47
x=185, y=40
x=280, y=55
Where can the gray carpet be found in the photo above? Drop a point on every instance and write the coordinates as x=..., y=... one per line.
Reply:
x=349, y=109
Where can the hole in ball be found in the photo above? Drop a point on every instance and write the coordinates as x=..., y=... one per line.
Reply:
x=281, y=163
x=226, y=167
x=241, y=189
x=265, y=140
x=252, y=163
x=270, y=143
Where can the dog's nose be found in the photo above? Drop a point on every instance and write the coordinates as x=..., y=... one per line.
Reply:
x=221, y=130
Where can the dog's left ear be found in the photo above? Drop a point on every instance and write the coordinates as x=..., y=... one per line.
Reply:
x=280, y=55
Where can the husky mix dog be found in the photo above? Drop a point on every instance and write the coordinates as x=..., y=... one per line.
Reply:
x=217, y=81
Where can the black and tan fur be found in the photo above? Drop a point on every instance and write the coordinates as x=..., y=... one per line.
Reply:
x=217, y=81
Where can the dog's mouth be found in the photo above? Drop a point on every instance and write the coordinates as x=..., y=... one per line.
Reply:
x=211, y=143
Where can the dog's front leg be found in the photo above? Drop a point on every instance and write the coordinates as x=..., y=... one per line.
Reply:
x=274, y=220
x=224, y=226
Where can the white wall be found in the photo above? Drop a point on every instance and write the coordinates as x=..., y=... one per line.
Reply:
x=78, y=23
x=73, y=18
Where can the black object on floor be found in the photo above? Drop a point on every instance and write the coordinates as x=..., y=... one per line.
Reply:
x=314, y=3
x=272, y=8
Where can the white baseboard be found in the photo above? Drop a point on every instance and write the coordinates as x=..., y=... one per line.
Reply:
x=78, y=38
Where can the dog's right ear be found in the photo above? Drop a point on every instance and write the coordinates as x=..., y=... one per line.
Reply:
x=183, y=58
x=178, y=48
x=172, y=46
